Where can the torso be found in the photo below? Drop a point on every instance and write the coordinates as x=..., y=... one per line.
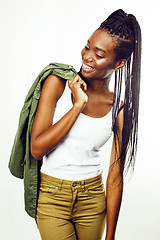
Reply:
x=77, y=157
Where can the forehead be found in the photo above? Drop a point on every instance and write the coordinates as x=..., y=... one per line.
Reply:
x=101, y=39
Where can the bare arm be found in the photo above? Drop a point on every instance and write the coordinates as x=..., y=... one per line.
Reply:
x=46, y=136
x=114, y=185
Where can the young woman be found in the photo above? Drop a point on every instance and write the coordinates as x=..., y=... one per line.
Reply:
x=73, y=120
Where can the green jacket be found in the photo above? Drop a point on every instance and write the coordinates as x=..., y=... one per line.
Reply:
x=22, y=164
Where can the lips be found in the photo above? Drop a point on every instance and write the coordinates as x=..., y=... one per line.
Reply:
x=87, y=68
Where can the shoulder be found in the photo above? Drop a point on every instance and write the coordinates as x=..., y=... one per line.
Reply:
x=53, y=85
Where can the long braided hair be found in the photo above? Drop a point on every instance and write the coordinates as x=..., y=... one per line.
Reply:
x=126, y=30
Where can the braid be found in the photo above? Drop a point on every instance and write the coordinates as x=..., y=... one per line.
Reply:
x=126, y=30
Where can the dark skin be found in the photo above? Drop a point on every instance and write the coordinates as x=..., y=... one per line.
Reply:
x=91, y=97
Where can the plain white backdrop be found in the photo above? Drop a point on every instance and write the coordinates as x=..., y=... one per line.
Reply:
x=37, y=32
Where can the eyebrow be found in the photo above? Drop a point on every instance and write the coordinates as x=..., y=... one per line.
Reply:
x=99, y=48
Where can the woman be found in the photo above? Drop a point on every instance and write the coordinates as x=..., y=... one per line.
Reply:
x=73, y=120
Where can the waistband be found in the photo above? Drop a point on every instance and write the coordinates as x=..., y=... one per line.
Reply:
x=88, y=182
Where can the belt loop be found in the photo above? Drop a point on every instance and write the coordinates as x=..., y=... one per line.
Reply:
x=83, y=184
x=61, y=182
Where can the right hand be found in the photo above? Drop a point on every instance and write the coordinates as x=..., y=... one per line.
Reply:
x=78, y=88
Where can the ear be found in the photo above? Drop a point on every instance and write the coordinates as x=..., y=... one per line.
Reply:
x=120, y=64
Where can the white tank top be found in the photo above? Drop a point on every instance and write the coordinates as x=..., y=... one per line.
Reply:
x=77, y=157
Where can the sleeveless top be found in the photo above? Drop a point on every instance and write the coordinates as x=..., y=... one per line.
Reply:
x=77, y=156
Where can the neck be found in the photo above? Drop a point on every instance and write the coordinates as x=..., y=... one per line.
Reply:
x=98, y=86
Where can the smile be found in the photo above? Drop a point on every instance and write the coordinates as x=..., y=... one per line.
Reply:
x=87, y=68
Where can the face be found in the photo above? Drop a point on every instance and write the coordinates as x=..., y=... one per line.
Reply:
x=98, y=57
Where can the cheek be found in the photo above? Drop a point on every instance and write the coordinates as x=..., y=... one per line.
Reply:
x=104, y=64
x=82, y=52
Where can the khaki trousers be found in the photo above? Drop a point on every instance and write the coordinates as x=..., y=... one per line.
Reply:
x=72, y=210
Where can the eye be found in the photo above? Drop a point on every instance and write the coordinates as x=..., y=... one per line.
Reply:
x=99, y=56
x=86, y=47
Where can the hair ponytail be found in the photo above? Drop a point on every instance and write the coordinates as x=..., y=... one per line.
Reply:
x=126, y=30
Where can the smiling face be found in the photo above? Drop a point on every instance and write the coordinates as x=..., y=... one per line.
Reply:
x=98, y=56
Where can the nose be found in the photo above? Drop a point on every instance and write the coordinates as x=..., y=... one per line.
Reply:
x=88, y=56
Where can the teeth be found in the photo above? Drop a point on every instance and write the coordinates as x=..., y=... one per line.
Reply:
x=87, y=66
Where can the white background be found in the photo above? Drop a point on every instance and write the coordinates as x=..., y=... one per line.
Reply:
x=37, y=32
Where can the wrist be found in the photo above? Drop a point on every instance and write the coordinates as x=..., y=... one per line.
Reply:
x=79, y=106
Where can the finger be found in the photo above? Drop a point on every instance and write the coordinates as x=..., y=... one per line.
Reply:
x=69, y=83
x=76, y=79
x=80, y=83
x=83, y=84
x=74, y=83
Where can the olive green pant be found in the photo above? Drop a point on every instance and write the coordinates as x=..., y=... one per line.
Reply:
x=71, y=209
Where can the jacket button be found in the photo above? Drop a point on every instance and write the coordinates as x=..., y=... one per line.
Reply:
x=74, y=184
